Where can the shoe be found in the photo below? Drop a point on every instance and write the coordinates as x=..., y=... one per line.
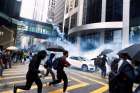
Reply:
x=50, y=84
x=15, y=89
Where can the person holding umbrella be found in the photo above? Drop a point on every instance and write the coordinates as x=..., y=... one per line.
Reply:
x=125, y=76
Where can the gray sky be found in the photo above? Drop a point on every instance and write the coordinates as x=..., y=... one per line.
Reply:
x=27, y=9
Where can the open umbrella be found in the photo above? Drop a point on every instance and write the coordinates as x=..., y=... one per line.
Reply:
x=12, y=48
x=131, y=50
x=106, y=51
x=56, y=49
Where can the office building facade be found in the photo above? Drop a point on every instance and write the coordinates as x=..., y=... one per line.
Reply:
x=59, y=13
x=92, y=23
x=51, y=9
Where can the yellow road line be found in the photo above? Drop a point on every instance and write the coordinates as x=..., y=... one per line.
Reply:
x=80, y=85
x=100, y=90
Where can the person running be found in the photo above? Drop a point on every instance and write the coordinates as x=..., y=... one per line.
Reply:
x=48, y=66
x=61, y=75
x=32, y=74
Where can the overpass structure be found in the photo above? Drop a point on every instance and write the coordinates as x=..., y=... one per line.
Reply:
x=37, y=29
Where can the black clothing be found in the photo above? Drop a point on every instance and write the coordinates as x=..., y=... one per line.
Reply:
x=61, y=75
x=114, y=65
x=32, y=74
x=122, y=82
x=30, y=79
x=34, y=65
x=49, y=70
x=48, y=65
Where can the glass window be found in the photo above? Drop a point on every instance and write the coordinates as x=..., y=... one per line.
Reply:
x=75, y=58
x=90, y=41
x=108, y=36
x=67, y=8
x=76, y=3
x=114, y=10
x=134, y=34
x=73, y=20
x=92, y=11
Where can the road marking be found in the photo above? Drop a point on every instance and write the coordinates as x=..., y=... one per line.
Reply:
x=13, y=82
x=14, y=74
x=12, y=77
x=73, y=87
x=89, y=74
x=100, y=90
x=33, y=87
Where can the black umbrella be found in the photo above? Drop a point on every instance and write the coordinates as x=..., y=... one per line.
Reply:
x=133, y=51
x=137, y=57
x=106, y=51
x=56, y=49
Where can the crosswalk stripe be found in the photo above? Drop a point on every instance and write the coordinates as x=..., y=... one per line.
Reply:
x=13, y=74
x=13, y=82
x=93, y=75
x=33, y=87
x=100, y=90
x=73, y=87
x=12, y=77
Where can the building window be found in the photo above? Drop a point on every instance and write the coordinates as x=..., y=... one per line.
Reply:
x=92, y=11
x=67, y=9
x=66, y=28
x=114, y=10
x=76, y=3
x=90, y=41
x=134, y=33
x=109, y=36
x=71, y=4
x=73, y=20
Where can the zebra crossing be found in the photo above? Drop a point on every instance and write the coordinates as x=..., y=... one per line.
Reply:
x=82, y=82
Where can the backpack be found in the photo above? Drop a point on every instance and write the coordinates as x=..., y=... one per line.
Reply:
x=56, y=63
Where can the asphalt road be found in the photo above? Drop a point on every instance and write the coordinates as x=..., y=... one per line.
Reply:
x=79, y=82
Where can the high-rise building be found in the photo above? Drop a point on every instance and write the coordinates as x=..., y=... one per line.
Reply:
x=98, y=22
x=51, y=9
x=59, y=13
x=9, y=13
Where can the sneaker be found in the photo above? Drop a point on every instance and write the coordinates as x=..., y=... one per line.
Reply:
x=50, y=83
x=15, y=89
